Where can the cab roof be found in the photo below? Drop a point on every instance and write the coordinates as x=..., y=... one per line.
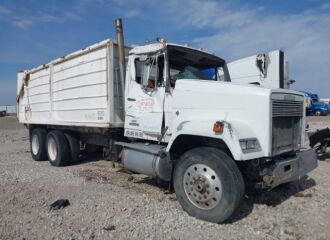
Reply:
x=157, y=47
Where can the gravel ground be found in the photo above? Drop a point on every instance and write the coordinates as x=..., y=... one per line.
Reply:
x=108, y=202
x=319, y=122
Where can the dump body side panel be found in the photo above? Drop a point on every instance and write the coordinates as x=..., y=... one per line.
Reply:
x=34, y=105
x=79, y=89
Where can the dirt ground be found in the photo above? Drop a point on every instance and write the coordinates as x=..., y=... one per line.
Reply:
x=110, y=203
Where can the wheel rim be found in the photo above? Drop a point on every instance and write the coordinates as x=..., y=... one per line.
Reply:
x=318, y=113
x=202, y=186
x=52, y=150
x=35, y=144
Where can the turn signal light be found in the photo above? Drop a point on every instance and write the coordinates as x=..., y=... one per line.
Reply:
x=218, y=127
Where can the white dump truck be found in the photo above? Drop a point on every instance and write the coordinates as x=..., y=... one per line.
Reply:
x=164, y=111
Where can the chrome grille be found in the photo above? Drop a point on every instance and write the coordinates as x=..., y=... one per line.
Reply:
x=287, y=114
x=283, y=108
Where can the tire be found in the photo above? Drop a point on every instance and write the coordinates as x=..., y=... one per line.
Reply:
x=37, y=144
x=74, y=147
x=318, y=113
x=58, y=150
x=208, y=184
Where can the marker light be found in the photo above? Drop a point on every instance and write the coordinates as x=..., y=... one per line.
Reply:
x=218, y=127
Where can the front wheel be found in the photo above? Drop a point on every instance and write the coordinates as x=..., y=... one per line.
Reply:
x=208, y=184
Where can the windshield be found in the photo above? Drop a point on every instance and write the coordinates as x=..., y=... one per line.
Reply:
x=187, y=63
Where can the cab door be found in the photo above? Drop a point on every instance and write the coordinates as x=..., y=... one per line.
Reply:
x=145, y=98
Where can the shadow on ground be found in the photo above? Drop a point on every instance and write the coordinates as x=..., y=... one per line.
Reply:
x=87, y=158
x=252, y=197
x=271, y=198
x=154, y=182
x=323, y=156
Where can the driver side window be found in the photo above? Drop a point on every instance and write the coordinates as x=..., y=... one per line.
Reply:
x=149, y=71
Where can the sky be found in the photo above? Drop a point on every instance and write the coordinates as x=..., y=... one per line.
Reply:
x=33, y=32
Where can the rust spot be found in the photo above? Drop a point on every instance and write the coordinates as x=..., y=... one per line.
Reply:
x=300, y=194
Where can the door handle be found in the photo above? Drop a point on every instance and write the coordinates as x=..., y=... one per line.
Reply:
x=131, y=99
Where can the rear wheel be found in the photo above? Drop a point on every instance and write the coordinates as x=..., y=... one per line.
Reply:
x=37, y=144
x=57, y=148
x=208, y=184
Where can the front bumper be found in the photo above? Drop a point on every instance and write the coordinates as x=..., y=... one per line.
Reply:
x=289, y=170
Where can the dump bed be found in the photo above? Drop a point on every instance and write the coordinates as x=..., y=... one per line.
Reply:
x=83, y=88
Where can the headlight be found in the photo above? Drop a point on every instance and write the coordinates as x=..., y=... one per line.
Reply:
x=250, y=145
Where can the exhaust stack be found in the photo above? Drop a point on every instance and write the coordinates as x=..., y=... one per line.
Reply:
x=121, y=50
x=120, y=41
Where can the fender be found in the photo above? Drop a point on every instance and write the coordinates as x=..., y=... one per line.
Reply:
x=233, y=131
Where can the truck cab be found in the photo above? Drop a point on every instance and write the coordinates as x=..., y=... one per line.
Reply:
x=174, y=91
x=154, y=74
x=181, y=99
x=316, y=107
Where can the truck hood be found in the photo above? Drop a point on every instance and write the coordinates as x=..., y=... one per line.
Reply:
x=246, y=107
x=204, y=94
x=230, y=87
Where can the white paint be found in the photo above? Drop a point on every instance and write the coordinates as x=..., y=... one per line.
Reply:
x=77, y=89
x=81, y=91
x=145, y=111
x=245, y=70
